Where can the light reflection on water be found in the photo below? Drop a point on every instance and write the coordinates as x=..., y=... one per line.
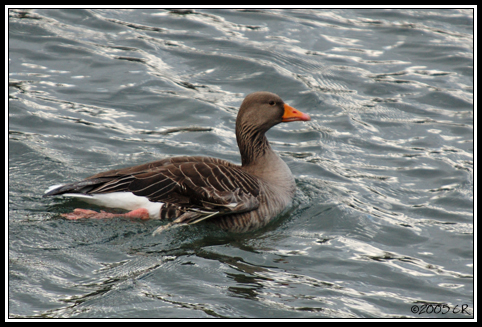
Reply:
x=383, y=215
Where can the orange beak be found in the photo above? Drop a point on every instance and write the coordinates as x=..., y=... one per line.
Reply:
x=291, y=114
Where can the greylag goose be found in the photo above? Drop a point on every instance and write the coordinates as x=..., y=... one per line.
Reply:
x=193, y=189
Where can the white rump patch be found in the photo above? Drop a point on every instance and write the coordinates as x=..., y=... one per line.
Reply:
x=121, y=200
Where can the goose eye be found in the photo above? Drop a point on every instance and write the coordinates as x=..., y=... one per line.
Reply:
x=272, y=103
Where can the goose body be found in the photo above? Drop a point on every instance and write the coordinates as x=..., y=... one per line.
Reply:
x=190, y=189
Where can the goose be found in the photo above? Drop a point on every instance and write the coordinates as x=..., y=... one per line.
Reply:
x=190, y=189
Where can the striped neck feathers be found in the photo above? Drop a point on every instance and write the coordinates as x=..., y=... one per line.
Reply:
x=252, y=143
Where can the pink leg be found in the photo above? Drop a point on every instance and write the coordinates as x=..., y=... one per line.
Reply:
x=140, y=213
x=84, y=213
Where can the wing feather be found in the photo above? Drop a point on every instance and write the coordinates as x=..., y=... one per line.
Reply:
x=208, y=186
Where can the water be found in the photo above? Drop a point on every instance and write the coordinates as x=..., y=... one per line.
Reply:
x=382, y=222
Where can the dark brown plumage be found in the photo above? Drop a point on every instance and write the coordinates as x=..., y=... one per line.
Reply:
x=192, y=189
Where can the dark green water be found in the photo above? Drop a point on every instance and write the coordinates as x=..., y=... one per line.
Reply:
x=383, y=219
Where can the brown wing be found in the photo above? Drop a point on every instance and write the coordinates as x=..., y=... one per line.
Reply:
x=201, y=183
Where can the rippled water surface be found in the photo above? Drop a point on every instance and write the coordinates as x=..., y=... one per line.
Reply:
x=383, y=218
